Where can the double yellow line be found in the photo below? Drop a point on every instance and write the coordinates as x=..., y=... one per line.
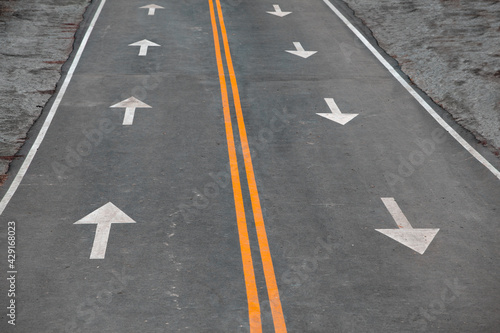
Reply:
x=254, y=311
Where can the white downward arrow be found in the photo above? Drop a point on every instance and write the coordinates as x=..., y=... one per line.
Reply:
x=336, y=115
x=152, y=8
x=416, y=239
x=144, y=44
x=130, y=104
x=278, y=12
x=104, y=217
x=300, y=51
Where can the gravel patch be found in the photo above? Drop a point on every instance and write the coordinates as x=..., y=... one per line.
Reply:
x=450, y=49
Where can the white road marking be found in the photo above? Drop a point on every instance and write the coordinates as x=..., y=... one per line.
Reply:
x=396, y=212
x=130, y=104
x=416, y=239
x=278, y=12
x=415, y=95
x=104, y=217
x=336, y=115
x=152, y=8
x=300, y=51
x=45, y=127
x=144, y=44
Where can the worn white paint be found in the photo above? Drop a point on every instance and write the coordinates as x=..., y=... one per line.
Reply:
x=415, y=95
x=416, y=239
x=278, y=12
x=151, y=8
x=50, y=116
x=130, y=104
x=144, y=44
x=104, y=217
x=336, y=115
x=300, y=51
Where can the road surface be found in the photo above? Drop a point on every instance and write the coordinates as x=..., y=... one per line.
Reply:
x=213, y=167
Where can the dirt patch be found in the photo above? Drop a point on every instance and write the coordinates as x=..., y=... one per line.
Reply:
x=37, y=38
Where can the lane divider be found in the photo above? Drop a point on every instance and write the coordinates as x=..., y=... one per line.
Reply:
x=246, y=255
x=272, y=286
x=267, y=263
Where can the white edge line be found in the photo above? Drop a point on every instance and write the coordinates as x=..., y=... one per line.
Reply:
x=419, y=99
x=41, y=135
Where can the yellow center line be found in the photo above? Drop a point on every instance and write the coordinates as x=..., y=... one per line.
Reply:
x=246, y=255
x=267, y=263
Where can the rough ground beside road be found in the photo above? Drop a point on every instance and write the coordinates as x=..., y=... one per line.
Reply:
x=450, y=49
x=36, y=38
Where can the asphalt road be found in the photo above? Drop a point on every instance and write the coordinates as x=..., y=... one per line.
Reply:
x=227, y=204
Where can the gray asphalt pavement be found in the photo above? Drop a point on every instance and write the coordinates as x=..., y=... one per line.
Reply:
x=196, y=258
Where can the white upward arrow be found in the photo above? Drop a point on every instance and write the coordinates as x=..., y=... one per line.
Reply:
x=416, y=239
x=103, y=217
x=300, y=51
x=130, y=104
x=152, y=8
x=144, y=44
x=278, y=12
x=336, y=115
